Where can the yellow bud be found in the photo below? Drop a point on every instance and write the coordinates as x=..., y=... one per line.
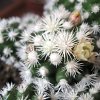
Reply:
x=84, y=50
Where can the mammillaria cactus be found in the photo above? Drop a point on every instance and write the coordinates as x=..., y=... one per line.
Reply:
x=57, y=56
